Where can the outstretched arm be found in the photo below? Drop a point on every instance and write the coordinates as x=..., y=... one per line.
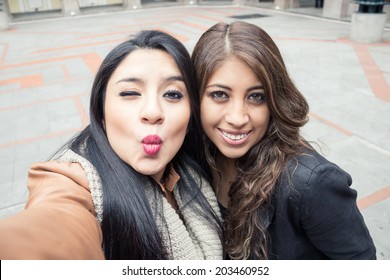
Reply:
x=59, y=219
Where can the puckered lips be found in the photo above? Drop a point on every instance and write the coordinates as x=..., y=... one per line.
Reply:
x=234, y=137
x=151, y=144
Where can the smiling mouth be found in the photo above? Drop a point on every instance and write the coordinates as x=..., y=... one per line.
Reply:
x=235, y=138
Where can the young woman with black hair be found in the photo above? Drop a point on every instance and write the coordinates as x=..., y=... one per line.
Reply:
x=126, y=186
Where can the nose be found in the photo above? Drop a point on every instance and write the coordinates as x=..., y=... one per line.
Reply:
x=152, y=111
x=236, y=114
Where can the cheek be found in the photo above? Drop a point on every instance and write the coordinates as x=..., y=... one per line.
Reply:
x=261, y=119
x=118, y=131
x=113, y=121
x=117, y=136
x=180, y=128
x=207, y=114
x=179, y=120
x=184, y=120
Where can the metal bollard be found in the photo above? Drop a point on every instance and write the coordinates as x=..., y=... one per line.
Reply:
x=371, y=6
x=368, y=22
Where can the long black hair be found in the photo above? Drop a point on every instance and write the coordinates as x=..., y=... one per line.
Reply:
x=129, y=227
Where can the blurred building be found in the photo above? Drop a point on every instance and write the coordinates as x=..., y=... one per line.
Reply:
x=36, y=9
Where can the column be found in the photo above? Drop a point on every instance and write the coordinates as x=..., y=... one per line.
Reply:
x=70, y=7
x=368, y=23
x=286, y=4
x=132, y=4
x=4, y=21
x=336, y=9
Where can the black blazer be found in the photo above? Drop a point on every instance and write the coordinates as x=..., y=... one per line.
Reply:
x=314, y=214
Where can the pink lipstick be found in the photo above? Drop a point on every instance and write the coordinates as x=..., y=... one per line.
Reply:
x=152, y=144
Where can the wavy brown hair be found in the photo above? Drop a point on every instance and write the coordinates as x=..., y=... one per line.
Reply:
x=260, y=169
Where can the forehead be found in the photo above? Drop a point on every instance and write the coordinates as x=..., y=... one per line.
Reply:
x=232, y=69
x=143, y=60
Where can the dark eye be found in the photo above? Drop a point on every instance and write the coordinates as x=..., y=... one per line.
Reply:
x=173, y=95
x=129, y=93
x=219, y=95
x=257, y=98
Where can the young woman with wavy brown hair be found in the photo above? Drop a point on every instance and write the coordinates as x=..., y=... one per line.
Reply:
x=280, y=198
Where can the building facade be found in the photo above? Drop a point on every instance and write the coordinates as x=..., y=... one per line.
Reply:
x=22, y=9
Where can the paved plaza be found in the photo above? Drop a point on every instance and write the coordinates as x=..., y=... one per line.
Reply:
x=47, y=67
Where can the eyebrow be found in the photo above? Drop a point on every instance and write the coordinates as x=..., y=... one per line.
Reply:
x=228, y=88
x=256, y=87
x=130, y=80
x=219, y=85
x=175, y=78
x=138, y=80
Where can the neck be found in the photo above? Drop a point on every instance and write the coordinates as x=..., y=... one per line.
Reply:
x=223, y=179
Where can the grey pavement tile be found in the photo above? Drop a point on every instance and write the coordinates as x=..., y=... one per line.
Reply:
x=40, y=119
x=359, y=118
x=380, y=55
x=368, y=166
x=6, y=212
x=6, y=195
x=7, y=128
x=13, y=177
x=321, y=134
x=12, y=188
x=85, y=102
x=387, y=77
x=31, y=122
x=8, y=87
x=7, y=155
x=74, y=87
x=35, y=151
x=53, y=74
x=378, y=222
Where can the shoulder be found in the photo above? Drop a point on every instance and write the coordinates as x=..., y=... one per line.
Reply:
x=309, y=177
x=57, y=179
x=310, y=169
x=92, y=175
x=87, y=168
x=312, y=184
x=69, y=173
x=58, y=173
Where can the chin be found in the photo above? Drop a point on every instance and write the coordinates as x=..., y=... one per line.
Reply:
x=233, y=155
x=147, y=171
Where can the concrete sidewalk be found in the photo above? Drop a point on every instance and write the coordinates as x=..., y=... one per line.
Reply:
x=47, y=68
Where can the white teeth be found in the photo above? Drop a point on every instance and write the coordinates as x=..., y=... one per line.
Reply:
x=234, y=137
